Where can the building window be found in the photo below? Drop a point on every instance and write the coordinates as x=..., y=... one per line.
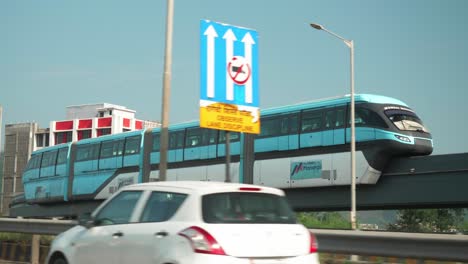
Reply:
x=84, y=134
x=39, y=140
x=103, y=131
x=63, y=137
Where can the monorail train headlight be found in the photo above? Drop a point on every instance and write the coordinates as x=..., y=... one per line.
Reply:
x=404, y=139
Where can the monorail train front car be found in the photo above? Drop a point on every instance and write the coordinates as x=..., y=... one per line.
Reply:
x=385, y=128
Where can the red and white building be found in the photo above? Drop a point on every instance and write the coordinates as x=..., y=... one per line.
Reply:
x=90, y=121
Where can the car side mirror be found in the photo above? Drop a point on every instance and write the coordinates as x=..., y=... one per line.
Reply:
x=86, y=220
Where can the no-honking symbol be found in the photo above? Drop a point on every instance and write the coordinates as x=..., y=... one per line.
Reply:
x=239, y=70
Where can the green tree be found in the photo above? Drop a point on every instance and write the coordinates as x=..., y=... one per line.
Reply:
x=464, y=227
x=1, y=170
x=1, y=178
x=333, y=220
x=428, y=220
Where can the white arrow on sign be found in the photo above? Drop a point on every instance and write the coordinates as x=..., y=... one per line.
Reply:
x=211, y=34
x=248, y=42
x=229, y=38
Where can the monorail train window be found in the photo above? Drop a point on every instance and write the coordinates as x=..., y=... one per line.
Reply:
x=87, y=152
x=311, y=121
x=367, y=117
x=34, y=162
x=194, y=137
x=209, y=136
x=329, y=119
x=132, y=145
x=335, y=118
x=361, y=116
x=200, y=137
x=49, y=159
x=284, y=125
x=268, y=127
x=233, y=136
x=176, y=139
x=375, y=120
x=107, y=148
x=293, y=123
x=340, y=117
x=156, y=142
x=274, y=126
x=62, y=156
x=118, y=147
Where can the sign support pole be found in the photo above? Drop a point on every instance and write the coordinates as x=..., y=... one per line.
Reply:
x=242, y=158
x=228, y=157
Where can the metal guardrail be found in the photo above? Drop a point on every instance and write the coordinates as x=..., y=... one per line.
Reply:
x=35, y=226
x=447, y=247
x=374, y=243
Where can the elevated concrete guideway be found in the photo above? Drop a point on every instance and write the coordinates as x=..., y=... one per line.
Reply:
x=439, y=181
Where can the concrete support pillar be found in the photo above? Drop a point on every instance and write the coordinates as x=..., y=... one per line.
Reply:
x=52, y=133
x=35, y=249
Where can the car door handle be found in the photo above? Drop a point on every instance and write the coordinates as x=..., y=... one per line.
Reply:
x=117, y=234
x=161, y=234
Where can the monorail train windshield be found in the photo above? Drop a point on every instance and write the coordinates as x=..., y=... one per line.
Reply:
x=406, y=120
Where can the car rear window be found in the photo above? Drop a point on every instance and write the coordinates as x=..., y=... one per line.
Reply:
x=246, y=207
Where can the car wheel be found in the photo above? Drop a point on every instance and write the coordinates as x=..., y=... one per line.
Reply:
x=58, y=260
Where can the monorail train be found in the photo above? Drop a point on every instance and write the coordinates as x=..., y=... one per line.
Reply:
x=301, y=145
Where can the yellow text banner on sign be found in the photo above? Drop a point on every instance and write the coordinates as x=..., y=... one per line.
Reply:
x=228, y=117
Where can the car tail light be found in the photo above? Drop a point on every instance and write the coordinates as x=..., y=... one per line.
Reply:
x=202, y=241
x=313, y=243
x=251, y=189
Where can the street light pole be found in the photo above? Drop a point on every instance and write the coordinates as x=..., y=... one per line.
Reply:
x=350, y=45
x=164, y=138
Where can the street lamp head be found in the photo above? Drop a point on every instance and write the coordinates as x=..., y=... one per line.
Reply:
x=317, y=26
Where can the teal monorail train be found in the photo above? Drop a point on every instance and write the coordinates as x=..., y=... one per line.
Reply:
x=301, y=145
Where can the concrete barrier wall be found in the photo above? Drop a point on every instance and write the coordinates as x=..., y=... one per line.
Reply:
x=20, y=252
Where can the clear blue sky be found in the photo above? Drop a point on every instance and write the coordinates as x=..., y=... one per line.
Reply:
x=59, y=53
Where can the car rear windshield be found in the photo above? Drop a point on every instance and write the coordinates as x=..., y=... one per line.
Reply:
x=246, y=208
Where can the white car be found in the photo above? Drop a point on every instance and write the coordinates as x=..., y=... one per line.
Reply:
x=189, y=222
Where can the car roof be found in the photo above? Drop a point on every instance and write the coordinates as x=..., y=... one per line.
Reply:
x=201, y=187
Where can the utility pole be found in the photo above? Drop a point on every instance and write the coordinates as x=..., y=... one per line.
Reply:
x=1, y=172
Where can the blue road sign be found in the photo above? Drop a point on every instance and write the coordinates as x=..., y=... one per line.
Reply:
x=229, y=64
